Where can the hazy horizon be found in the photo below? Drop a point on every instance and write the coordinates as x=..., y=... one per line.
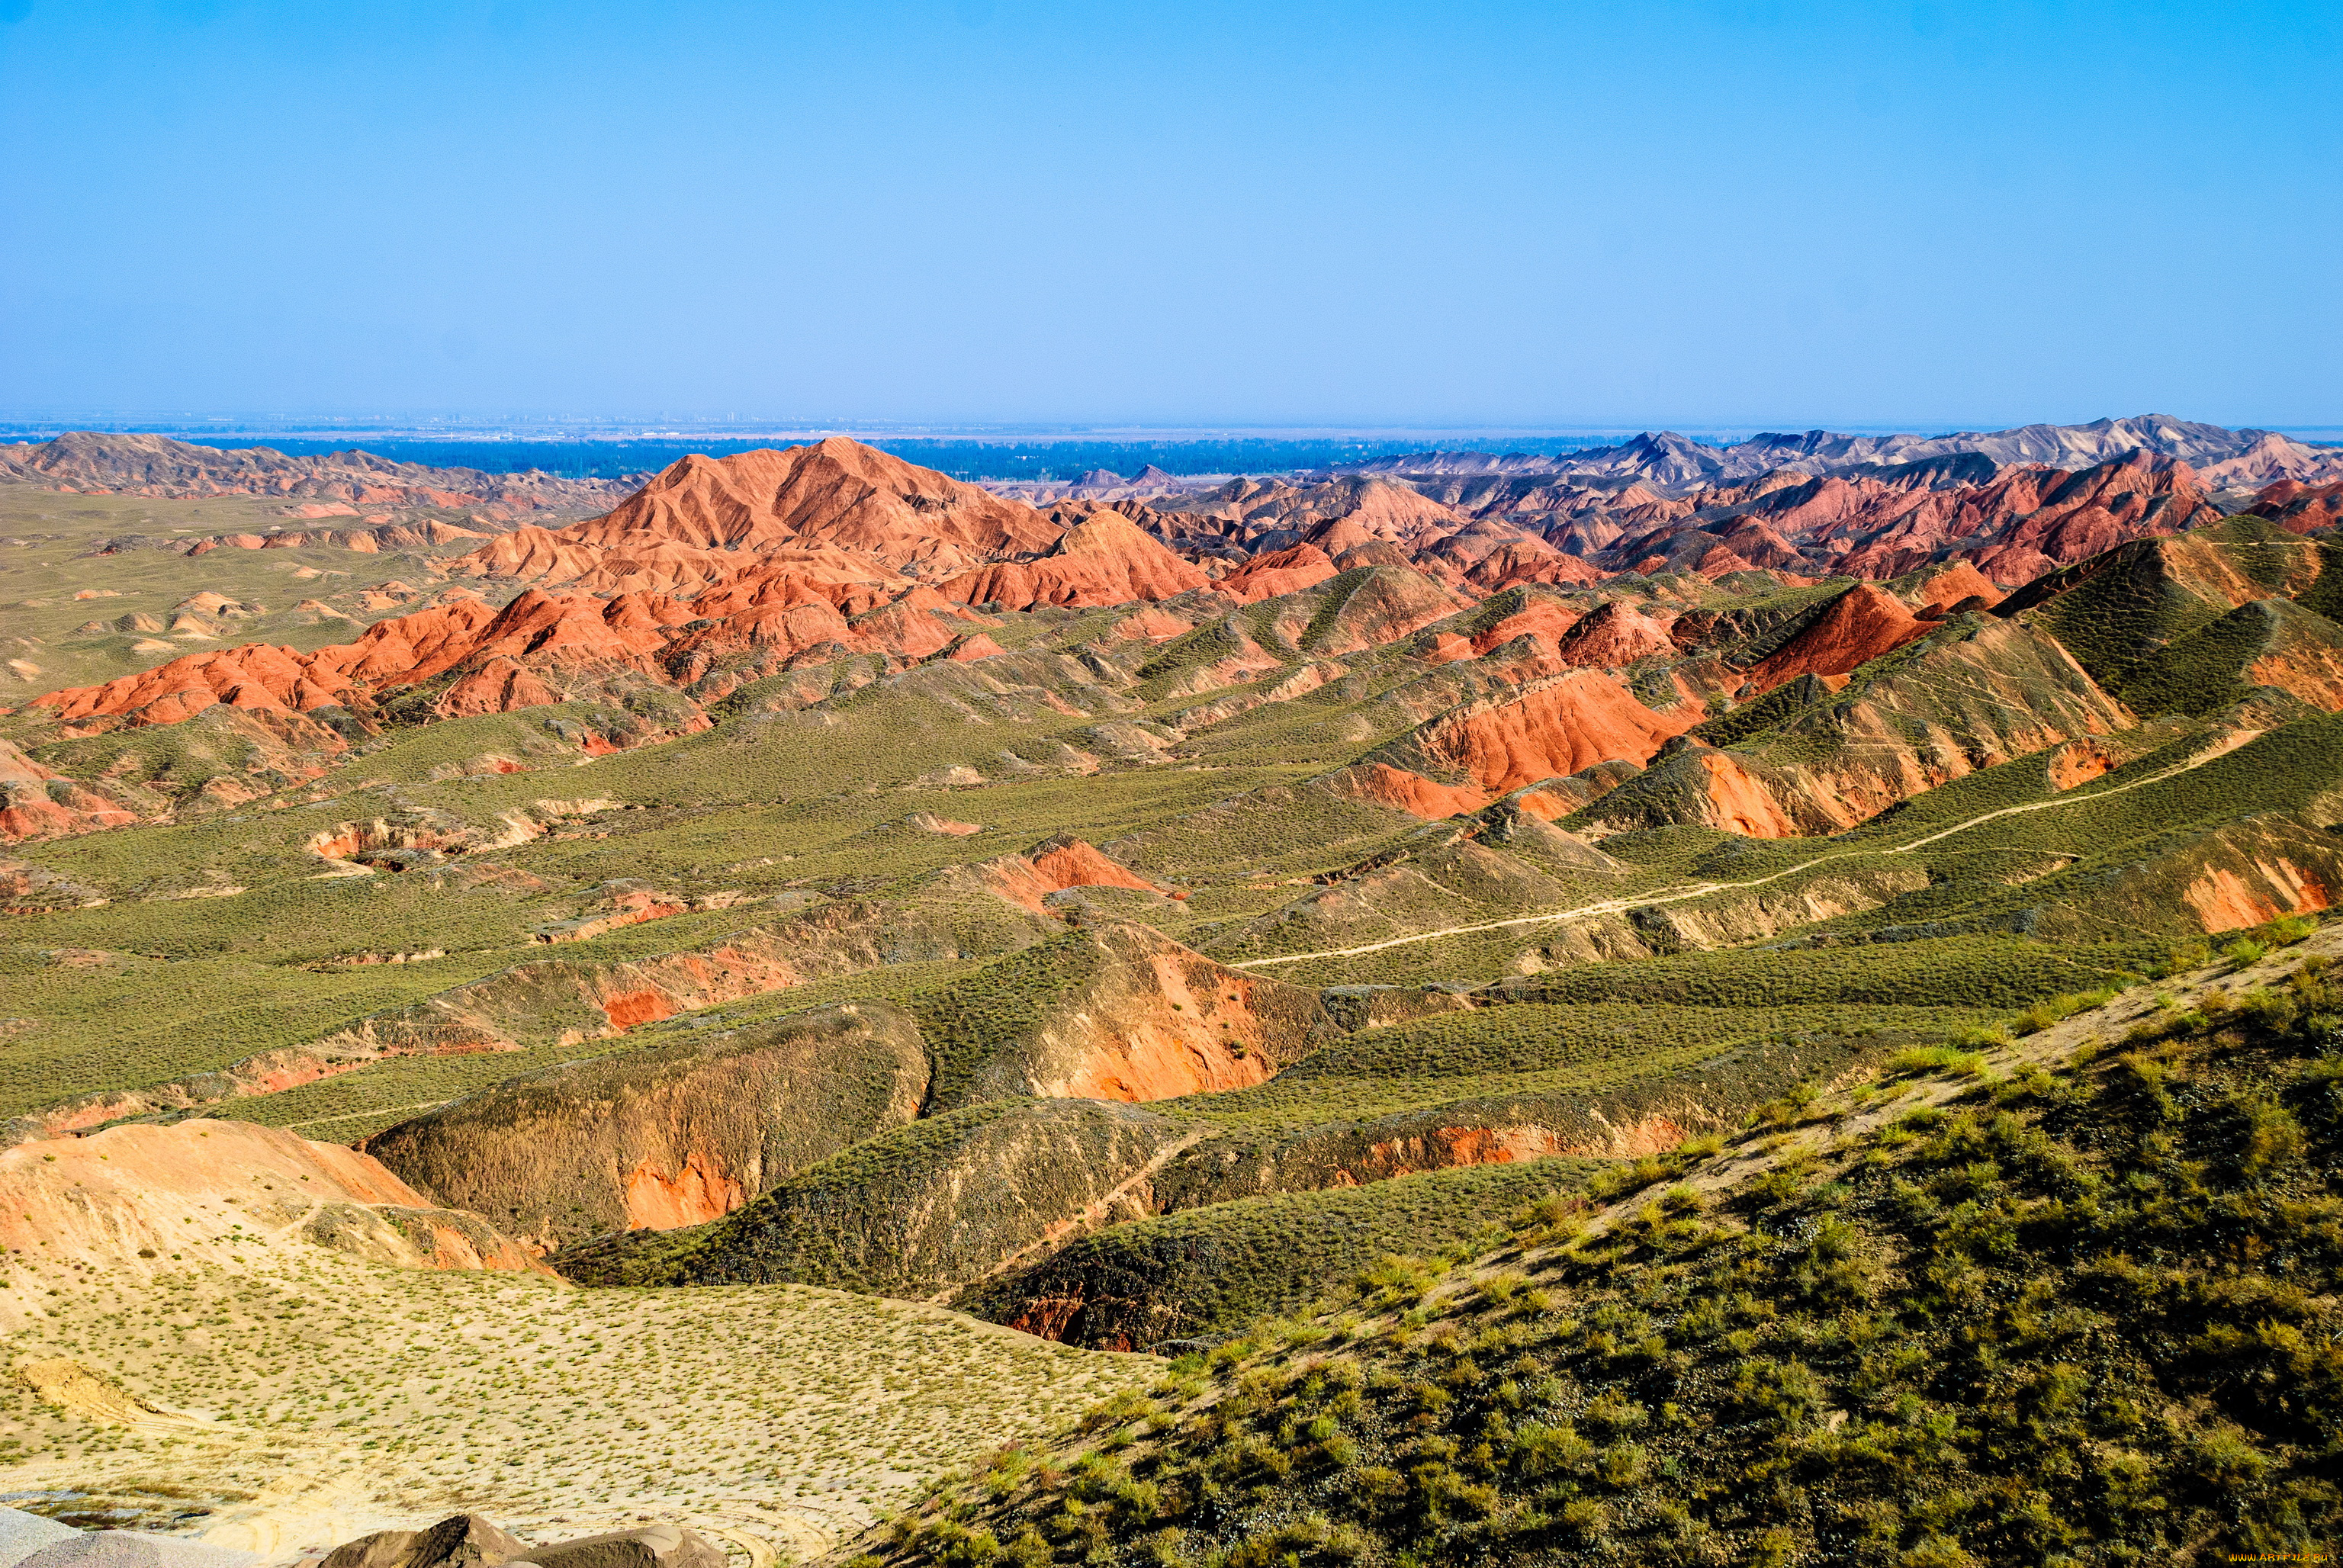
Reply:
x=19, y=426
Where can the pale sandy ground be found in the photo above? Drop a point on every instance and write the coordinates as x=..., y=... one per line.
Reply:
x=320, y=1397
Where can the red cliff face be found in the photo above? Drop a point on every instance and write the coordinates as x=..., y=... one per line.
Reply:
x=522, y=655
x=1956, y=585
x=1553, y=729
x=1859, y=626
x=547, y=631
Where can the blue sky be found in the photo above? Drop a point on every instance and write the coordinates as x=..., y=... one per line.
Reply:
x=1763, y=214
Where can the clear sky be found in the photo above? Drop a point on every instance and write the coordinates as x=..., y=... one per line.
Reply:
x=1954, y=212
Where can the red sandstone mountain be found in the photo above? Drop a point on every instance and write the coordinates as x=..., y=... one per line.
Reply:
x=1857, y=628
x=837, y=494
x=1614, y=636
x=1055, y=866
x=2013, y=525
x=1278, y=573
x=721, y=571
x=510, y=658
x=1101, y=559
x=1957, y=584
x=1551, y=732
x=2301, y=508
x=1550, y=729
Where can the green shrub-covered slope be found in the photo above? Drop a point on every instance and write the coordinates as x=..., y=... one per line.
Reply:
x=2079, y=1311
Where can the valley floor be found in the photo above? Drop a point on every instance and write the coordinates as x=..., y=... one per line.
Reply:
x=309, y=1399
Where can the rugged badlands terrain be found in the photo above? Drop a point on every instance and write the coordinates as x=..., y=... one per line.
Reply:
x=1750, y=1004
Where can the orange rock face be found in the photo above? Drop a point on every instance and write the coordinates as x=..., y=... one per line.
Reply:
x=2226, y=901
x=1404, y=791
x=1163, y=1028
x=36, y=803
x=1102, y=560
x=2079, y=762
x=1053, y=867
x=656, y=1201
x=517, y=657
x=836, y=493
x=626, y=1009
x=130, y=1197
x=1738, y=804
x=1553, y=729
x=1958, y=583
x=1543, y=619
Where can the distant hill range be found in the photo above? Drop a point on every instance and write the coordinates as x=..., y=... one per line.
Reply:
x=344, y=482
x=1673, y=464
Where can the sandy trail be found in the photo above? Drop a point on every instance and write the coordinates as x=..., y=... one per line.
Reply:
x=1687, y=892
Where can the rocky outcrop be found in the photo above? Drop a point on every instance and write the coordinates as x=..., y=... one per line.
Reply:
x=1143, y=1019
x=1103, y=559
x=464, y=1541
x=1613, y=637
x=1954, y=586
x=668, y=1135
x=1372, y=606
x=2301, y=508
x=1057, y=865
x=1276, y=573
x=468, y=1541
x=925, y=1210
x=836, y=494
x=1806, y=506
x=143, y=1197
x=1853, y=630
x=36, y=803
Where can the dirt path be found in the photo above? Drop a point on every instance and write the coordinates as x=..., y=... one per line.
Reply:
x=1703, y=889
x=362, y=1115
